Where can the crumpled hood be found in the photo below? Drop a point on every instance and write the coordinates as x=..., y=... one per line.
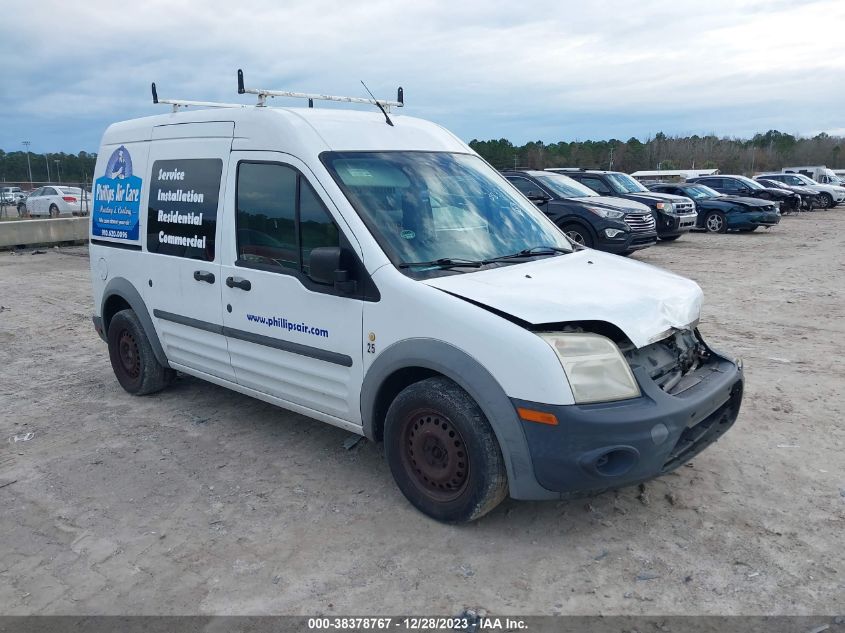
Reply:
x=643, y=301
x=745, y=200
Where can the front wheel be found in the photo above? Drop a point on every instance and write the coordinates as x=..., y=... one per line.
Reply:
x=825, y=201
x=132, y=358
x=578, y=234
x=443, y=453
x=715, y=222
x=54, y=211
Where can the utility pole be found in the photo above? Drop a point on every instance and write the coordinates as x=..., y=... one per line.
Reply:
x=610, y=168
x=58, y=171
x=26, y=144
x=46, y=160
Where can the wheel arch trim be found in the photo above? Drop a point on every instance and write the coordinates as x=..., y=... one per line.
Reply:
x=468, y=373
x=123, y=288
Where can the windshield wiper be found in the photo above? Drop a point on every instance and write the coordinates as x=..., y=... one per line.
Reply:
x=529, y=252
x=444, y=262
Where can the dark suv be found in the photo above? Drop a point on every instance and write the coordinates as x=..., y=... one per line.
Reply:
x=742, y=186
x=674, y=215
x=607, y=224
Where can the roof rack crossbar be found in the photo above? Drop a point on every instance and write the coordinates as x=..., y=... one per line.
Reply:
x=264, y=93
x=183, y=103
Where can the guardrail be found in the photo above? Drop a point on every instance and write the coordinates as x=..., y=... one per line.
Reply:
x=18, y=233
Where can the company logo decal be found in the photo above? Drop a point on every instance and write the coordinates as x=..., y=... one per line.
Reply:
x=117, y=199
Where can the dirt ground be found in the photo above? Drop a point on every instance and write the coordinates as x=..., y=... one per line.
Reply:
x=201, y=500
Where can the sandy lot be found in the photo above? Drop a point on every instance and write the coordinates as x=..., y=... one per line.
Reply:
x=200, y=500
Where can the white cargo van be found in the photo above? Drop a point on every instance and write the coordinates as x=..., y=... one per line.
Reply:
x=371, y=271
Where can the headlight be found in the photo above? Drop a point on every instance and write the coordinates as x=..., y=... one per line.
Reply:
x=594, y=366
x=611, y=233
x=666, y=207
x=606, y=213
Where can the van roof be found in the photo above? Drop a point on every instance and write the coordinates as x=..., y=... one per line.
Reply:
x=301, y=130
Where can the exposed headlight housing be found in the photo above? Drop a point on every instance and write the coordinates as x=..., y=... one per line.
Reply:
x=606, y=213
x=594, y=367
x=666, y=207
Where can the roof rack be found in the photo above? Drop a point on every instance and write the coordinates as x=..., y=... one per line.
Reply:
x=263, y=94
x=181, y=103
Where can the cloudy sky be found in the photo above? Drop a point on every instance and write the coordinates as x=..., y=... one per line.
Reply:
x=550, y=71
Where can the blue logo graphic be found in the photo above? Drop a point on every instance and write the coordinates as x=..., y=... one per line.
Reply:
x=117, y=199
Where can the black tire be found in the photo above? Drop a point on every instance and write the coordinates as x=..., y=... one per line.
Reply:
x=669, y=238
x=54, y=211
x=578, y=234
x=443, y=453
x=825, y=201
x=132, y=357
x=749, y=230
x=715, y=222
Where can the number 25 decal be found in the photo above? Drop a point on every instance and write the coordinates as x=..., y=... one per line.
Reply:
x=371, y=348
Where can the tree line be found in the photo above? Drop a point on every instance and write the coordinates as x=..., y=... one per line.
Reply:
x=52, y=167
x=763, y=152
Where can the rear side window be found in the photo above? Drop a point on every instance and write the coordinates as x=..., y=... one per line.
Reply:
x=279, y=218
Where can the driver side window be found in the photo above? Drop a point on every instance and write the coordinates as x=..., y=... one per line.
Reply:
x=279, y=218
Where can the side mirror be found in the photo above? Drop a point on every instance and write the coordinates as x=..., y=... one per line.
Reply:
x=331, y=266
x=537, y=197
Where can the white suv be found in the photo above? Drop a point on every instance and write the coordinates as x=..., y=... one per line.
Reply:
x=384, y=279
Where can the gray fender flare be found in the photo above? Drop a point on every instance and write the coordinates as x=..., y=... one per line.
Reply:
x=125, y=290
x=478, y=382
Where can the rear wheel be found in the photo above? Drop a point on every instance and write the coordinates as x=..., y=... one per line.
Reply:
x=132, y=358
x=54, y=211
x=578, y=234
x=443, y=453
x=715, y=222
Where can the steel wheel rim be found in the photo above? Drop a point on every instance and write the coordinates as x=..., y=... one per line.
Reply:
x=129, y=355
x=435, y=455
x=576, y=237
x=714, y=223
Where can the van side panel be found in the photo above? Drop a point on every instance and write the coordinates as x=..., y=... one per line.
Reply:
x=115, y=258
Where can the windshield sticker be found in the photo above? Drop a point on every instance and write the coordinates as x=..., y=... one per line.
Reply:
x=117, y=199
x=408, y=234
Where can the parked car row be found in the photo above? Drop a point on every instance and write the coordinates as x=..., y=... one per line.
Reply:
x=614, y=212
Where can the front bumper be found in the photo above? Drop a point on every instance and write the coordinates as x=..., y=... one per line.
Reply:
x=753, y=219
x=628, y=242
x=670, y=224
x=609, y=445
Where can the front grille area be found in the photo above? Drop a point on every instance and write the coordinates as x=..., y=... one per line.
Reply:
x=640, y=221
x=683, y=208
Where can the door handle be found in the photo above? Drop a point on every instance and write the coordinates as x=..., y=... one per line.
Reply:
x=204, y=275
x=238, y=282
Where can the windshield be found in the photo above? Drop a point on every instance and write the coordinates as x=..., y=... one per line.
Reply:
x=772, y=184
x=626, y=183
x=752, y=184
x=804, y=179
x=700, y=192
x=428, y=206
x=566, y=187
